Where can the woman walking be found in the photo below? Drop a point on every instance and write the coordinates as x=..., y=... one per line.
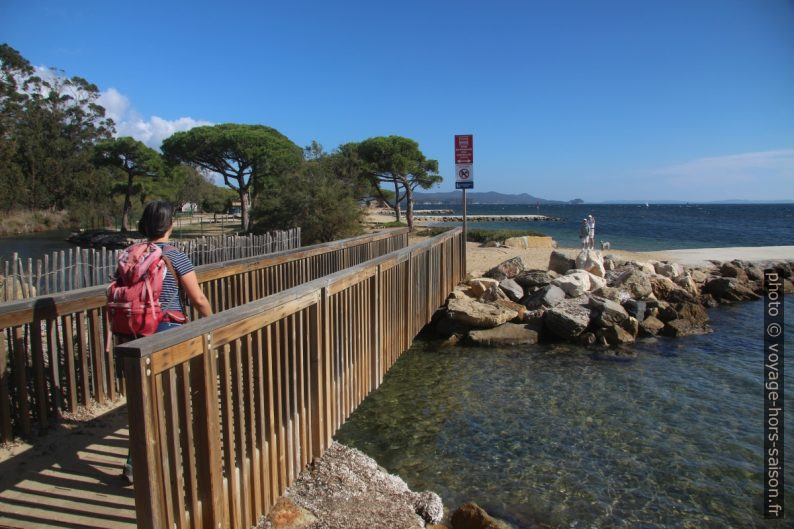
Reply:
x=178, y=281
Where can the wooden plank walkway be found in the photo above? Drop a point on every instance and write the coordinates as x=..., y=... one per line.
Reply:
x=70, y=478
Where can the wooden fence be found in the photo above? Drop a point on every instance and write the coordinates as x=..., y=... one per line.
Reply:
x=225, y=411
x=53, y=351
x=83, y=267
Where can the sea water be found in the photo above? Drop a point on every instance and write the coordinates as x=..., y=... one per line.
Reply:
x=655, y=227
x=552, y=434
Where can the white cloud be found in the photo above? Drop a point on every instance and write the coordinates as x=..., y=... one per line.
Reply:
x=129, y=122
x=751, y=167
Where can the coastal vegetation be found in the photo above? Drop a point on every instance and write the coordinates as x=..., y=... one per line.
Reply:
x=60, y=158
x=483, y=235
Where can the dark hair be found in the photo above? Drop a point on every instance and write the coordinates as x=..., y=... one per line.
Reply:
x=156, y=219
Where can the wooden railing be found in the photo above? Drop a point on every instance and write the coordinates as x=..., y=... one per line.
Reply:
x=53, y=355
x=83, y=267
x=225, y=411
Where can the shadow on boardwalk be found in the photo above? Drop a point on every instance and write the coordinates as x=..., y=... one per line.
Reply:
x=70, y=478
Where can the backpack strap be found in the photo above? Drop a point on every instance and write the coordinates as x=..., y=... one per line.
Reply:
x=170, y=267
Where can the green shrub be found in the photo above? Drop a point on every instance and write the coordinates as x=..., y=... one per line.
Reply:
x=482, y=235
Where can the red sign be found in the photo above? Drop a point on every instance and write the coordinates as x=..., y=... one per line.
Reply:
x=464, y=148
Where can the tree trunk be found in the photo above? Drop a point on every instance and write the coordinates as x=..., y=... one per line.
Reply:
x=245, y=206
x=409, y=207
x=396, y=201
x=125, y=215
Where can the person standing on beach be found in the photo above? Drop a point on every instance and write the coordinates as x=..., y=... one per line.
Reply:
x=584, y=234
x=591, y=231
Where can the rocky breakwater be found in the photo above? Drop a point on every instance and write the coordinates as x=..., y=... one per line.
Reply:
x=596, y=300
x=112, y=240
x=486, y=218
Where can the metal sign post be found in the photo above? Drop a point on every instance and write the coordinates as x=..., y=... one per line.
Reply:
x=464, y=175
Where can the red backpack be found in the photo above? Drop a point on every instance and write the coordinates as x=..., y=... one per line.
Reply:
x=134, y=307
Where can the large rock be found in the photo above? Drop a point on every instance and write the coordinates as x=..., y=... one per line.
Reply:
x=669, y=270
x=346, y=488
x=596, y=282
x=650, y=326
x=472, y=516
x=591, y=261
x=483, y=287
x=560, y=263
x=512, y=289
x=729, y=289
x=615, y=335
x=505, y=335
x=506, y=269
x=664, y=288
x=686, y=282
x=530, y=241
x=477, y=314
x=574, y=283
x=512, y=305
x=569, y=318
x=547, y=296
x=612, y=293
x=698, y=275
x=646, y=268
x=681, y=327
x=533, y=278
x=636, y=282
x=635, y=308
x=610, y=312
x=733, y=270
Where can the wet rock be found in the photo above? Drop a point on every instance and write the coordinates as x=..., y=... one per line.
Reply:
x=505, y=335
x=728, y=289
x=681, y=327
x=506, y=269
x=636, y=282
x=666, y=289
x=512, y=289
x=619, y=354
x=650, y=326
x=631, y=326
x=708, y=301
x=591, y=261
x=586, y=339
x=692, y=312
x=472, y=516
x=428, y=505
x=547, y=296
x=615, y=335
x=533, y=278
x=478, y=314
x=569, y=318
x=560, y=263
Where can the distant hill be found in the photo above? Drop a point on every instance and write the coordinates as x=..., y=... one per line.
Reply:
x=713, y=202
x=490, y=197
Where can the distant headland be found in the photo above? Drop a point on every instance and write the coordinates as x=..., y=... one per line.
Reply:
x=493, y=197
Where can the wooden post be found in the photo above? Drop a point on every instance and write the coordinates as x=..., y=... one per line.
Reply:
x=149, y=507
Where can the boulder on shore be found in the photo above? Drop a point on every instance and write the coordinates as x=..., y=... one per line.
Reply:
x=533, y=278
x=560, y=263
x=507, y=269
x=546, y=296
x=574, y=283
x=729, y=289
x=591, y=261
x=512, y=289
x=478, y=314
x=636, y=282
x=569, y=318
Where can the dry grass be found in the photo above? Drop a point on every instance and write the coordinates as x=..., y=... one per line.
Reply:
x=19, y=222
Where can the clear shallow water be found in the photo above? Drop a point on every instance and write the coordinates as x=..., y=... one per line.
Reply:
x=671, y=439
x=657, y=227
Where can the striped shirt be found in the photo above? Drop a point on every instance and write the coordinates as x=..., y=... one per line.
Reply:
x=169, y=296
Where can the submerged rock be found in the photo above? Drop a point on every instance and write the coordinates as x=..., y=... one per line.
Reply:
x=504, y=335
x=472, y=516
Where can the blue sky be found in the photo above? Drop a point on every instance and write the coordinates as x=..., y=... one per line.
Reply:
x=608, y=99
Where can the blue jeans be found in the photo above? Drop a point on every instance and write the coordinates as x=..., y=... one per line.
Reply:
x=164, y=326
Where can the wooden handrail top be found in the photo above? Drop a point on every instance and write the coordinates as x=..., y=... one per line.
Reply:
x=25, y=311
x=301, y=295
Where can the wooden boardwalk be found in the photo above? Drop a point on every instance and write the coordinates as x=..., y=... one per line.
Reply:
x=71, y=478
